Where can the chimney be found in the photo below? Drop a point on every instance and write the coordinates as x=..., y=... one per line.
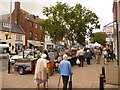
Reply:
x=17, y=5
x=17, y=8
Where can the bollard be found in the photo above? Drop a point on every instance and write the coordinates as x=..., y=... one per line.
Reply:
x=101, y=82
x=9, y=66
x=23, y=54
x=103, y=73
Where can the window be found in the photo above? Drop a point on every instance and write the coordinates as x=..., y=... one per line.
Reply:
x=40, y=36
x=46, y=37
x=7, y=25
x=36, y=26
x=40, y=27
x=31, y=24
x=18, y=47
x=30, y=35
x=0, y=35
x=19, y=37
x=36, y=37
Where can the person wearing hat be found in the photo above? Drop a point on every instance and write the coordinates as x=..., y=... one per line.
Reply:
x=65, y=70
x=41, y=71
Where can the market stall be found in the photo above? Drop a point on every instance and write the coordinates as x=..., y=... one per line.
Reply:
x=72, y=56
x=72, y=60
x=50, y=66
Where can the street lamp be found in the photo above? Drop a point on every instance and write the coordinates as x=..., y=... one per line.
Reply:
x=6, y=34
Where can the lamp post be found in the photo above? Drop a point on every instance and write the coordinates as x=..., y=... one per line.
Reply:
x=6, y=34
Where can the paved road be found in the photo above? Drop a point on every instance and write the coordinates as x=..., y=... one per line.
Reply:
x=3, y=64
x=83, y=77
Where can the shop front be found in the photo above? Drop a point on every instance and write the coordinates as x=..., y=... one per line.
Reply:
x=35, y=44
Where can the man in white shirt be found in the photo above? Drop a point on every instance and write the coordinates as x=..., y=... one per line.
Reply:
x=80, y=56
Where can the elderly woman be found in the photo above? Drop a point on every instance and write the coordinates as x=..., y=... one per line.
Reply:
x=41, y=71
x=65, y=70
x=88, y=56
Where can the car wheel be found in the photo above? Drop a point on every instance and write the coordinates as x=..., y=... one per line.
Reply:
x=21, y=71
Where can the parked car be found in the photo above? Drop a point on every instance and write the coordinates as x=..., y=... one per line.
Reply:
x=28, y=53
x=26, y=63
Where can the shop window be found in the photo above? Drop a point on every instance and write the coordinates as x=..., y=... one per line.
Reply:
x=18, y=47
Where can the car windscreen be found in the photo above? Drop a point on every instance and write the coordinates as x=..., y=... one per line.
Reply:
x=25, y=53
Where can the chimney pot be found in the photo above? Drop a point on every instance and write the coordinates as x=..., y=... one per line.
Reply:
x=17, y=5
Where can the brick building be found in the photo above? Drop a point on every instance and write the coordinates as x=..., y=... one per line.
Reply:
x=29, y=23
x=116, y=21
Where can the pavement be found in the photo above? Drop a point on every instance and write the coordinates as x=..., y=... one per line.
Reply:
x=83, y=77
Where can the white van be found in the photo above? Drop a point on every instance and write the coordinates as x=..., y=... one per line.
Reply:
x=4, y=48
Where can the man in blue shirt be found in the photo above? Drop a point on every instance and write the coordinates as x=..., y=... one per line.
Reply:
x=65, y=70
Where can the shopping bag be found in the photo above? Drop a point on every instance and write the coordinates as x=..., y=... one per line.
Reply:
x=77, y=61
x=70, y=83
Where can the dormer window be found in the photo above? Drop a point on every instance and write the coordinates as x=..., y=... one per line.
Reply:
x=6, y=25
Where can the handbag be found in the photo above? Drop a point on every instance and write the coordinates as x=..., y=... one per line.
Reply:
x=70, y=83
x=77, y=61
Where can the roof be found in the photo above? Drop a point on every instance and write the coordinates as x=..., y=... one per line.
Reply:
x=15, y=28
x=30, y=16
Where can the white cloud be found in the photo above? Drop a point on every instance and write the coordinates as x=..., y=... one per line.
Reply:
x=103, y=8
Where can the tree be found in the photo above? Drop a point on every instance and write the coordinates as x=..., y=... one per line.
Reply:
x=71, y=23
x=98, y=37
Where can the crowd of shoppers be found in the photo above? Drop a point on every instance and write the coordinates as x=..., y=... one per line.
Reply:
x=65, y=68
x=86, y=54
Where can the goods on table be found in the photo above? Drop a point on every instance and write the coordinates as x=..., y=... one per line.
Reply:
x=71, y=53
x=50, y=66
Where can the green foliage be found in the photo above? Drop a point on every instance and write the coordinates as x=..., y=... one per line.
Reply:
x=98, y=37
x=68, y=22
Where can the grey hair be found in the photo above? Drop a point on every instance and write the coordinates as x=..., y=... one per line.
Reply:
x=43, y=56
x=65, y=56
